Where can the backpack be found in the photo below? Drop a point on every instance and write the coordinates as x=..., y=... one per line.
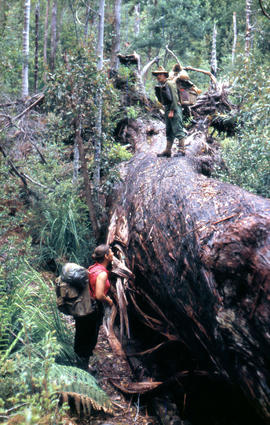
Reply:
x=187, y=92
x=72, y=291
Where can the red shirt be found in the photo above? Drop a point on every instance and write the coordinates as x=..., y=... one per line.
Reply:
x=93, y=274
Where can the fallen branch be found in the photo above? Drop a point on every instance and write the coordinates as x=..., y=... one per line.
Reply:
x=137, y=387
x=11, y=120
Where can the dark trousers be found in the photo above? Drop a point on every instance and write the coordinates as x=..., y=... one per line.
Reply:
x=86, y=333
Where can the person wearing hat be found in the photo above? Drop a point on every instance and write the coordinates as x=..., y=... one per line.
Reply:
x=166, y=92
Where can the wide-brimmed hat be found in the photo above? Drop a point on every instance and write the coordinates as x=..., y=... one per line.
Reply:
x=160, y=70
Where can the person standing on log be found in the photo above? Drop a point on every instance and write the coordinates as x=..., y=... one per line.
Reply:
x=87, y=327
x=166, y=93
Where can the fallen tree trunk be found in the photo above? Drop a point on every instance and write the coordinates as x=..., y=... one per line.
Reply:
x=199, y=250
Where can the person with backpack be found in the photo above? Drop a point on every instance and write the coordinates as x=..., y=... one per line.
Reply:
x=87, y=327
x=166, y=92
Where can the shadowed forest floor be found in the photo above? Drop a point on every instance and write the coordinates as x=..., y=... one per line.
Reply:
x=106, y=367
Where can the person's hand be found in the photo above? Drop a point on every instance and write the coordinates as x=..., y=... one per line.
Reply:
x=109, y=301
x=171, y=114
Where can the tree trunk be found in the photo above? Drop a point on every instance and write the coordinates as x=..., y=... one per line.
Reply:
x=53, y=35
x=199, y=305
x=248, y=28
x=36, y=46
x=45, y=61
x=86, y=180
x=25, y=83
x=100, y=47
x=116, y=35
x=214, y=51
x=234, y=37
x=137, y=21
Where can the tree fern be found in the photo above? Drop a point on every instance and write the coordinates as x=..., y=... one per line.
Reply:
x=80, y=388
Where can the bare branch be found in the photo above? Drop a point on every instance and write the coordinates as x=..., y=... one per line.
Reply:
x=213, y=78
x=174, y=55
x=24, y=112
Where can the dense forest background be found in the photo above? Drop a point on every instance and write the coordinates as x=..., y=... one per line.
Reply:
x=59, y=159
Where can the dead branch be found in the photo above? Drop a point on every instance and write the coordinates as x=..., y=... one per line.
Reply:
x=11, y=120
x=137, y=387
x=190, y=68
x=174, y=55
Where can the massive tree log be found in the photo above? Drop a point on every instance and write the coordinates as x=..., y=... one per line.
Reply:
x=199, y=250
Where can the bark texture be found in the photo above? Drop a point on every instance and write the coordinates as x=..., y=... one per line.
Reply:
x=199, y=249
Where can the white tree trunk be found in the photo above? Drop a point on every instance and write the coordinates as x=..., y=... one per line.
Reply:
x=36, y=46
x=234, y=37
x=116, y=35
x=100, y=47
x=137, y=22
x=100, y=43
x=248, y=28
x=25, y=85
x=214, y=51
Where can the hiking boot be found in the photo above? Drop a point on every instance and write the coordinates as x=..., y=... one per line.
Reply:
x=181, y=147
x=168, y=151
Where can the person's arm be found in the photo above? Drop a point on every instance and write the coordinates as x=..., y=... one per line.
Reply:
x=100, y=288
x=173, y=90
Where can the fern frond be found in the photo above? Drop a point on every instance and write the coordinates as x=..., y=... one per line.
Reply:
x=80, y=389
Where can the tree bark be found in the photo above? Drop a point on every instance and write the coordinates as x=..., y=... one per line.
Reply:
x=25, y=83
x=36, y=46
x=98, y=142
x=45, y=61
x=199, y=249
x=53, y=35
x=248, y=28
x=234, y=37
x=87, y=184
x=137, y=19
x=214, y=52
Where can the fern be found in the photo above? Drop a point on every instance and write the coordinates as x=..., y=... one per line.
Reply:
x=80, y=389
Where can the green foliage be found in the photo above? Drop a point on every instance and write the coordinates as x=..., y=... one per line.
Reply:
x=33, y=337
x=72, y=381
x=247, y=156
x=64, y=232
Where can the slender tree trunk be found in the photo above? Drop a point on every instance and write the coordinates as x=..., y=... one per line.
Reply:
x=214, y=51
x=234, y=37
x=116, y=35
x=100, y=43
x=45, y=61
x=74, y=20
x=137, y=22
x=100, y=47
x=36, y=46
x=76, y=164
x=87, y=185
x=25, y=84
x=248, y=28
x=53, y=35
